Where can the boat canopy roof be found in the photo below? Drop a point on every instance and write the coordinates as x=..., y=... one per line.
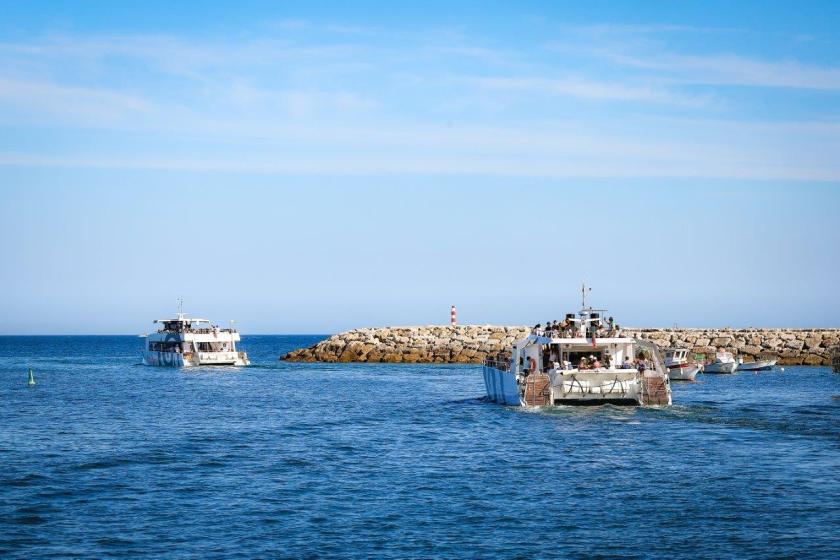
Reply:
x=182, y=319
x=599, y=341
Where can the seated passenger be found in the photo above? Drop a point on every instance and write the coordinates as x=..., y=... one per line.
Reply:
x=583, y=364
x=596, y=364
x=627, y=363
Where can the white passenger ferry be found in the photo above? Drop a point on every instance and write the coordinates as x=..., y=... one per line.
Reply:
x=185, y=342
x=582, y=361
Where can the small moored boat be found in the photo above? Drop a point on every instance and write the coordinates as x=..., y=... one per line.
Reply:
x=724, y=362
x=758, y=365
x=678, y=366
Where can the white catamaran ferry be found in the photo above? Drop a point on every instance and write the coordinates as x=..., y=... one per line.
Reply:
x=581, y=361
x=185, y=342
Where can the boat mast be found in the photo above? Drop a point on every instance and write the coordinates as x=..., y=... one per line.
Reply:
x=585, y=317
x=583, y=290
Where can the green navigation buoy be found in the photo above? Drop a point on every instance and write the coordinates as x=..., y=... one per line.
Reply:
x=31, y=382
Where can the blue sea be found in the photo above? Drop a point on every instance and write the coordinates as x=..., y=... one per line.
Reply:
x=106, y=458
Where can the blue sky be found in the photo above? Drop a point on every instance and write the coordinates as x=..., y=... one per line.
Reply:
x=307, y=167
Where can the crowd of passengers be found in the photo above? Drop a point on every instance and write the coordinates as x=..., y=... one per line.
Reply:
x=186, y=347
x=568, y=328
x=177, y=326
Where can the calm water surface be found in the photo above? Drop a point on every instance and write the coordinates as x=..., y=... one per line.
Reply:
x=108, y=458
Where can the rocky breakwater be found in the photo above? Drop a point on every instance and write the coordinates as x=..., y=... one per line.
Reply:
x=423, y=345
x=790, y=346
x=470, y=344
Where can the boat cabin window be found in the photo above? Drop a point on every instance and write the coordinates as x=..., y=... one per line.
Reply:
x=213, y=347
x=157, y=346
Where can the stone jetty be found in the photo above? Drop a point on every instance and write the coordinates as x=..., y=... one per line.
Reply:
x=470, y=344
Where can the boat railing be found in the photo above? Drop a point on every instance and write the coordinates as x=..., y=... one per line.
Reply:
x=199, y=331
x=567, y=333
x=502, y=365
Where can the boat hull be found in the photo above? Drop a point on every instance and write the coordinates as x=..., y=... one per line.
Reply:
x=683, y=372
x=720, y=367
x=179, y=360
x=619, y=387
x=760, y=365
x=501, y=386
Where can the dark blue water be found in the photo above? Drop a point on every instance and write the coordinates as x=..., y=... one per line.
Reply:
x=107, y=458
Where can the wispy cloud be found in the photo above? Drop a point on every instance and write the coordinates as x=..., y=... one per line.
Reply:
x=617, y=29
x=643, y=48
x=738, y=70
x=306, y=98
x=44, y=101
x=694, y=149
x=444, y=165
x=594, y=90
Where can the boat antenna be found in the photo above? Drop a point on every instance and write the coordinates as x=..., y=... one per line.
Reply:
x=583, y=290
x=180, y=307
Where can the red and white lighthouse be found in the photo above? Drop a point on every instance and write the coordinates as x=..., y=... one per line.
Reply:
x=453, y=317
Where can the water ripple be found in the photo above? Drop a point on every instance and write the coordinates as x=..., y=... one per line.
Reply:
x=105, y=458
